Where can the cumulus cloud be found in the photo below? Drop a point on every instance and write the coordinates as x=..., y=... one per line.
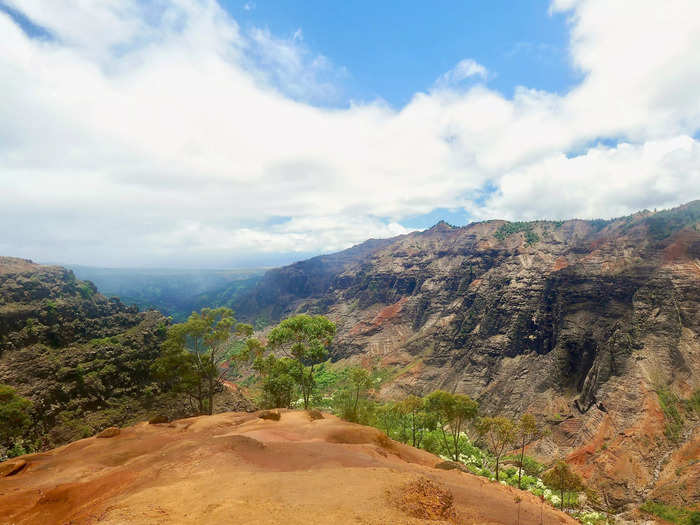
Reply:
x=161, y=133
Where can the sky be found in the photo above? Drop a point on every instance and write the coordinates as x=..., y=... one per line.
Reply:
x=197, y=133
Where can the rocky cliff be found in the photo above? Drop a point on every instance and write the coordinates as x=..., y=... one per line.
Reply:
x=592, y=325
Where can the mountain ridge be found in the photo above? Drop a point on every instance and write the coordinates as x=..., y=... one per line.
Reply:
x=582, y=322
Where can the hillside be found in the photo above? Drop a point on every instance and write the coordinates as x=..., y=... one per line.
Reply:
x=592, y=325
x=238, y=468
x=82, y=360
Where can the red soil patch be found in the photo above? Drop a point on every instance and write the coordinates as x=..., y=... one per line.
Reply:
x=238, y=468
x=560, y=264
x=385, y=315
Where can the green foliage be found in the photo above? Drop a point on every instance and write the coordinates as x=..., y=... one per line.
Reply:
x=278, y=384
x=453, y=412
x=526, y=431
x=499, y=434
x=510, y=228
x=304, y=339
x=15, y=414
x=194, y=352
x=351, y=394
x=666, y=222
x=85, y=290
x=671, y=513
x=560, y=477
x=669, y=403
x=694, y=402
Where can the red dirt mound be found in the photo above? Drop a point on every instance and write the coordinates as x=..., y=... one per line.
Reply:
x=238, y=468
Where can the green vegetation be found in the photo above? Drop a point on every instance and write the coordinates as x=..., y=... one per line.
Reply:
x=671, y=513
x=670, y=405
x=511, y=228
x=527, y=431
x=15, y=418
x=499, y=433
x=194, y=352
x=303, y=341
x=453, y=412
x=666, y=222
x=560, y=477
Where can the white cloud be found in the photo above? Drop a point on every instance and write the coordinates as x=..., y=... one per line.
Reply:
x=146, y=132
x=464, y=70
x=249, y=6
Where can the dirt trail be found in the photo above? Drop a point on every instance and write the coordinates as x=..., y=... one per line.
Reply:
x=238, y=468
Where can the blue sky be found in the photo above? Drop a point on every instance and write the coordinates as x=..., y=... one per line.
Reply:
x=220, y=133
x=393, y=50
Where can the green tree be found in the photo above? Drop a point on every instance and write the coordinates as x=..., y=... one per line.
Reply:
x=305, y=340
x=387, y=417
x=360, y=381
x=453, y=412
x=277, y=381
x=15, y=416
x=526, y=431
x=499, y=433
x=413, y=408
x=560, y=477
x=197, y=354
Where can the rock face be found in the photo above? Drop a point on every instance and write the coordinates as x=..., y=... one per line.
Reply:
x=588, y=324
x=81, y=358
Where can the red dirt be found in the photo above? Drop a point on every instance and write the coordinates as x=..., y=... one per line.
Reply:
x=237, y=468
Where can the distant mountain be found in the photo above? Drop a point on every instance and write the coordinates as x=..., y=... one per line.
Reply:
x=173, y=292
x=594, y=325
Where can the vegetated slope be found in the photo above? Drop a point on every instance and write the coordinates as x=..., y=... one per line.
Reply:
x=238, y=468
x=82, y=359
x=592, y=325
x=173, y=292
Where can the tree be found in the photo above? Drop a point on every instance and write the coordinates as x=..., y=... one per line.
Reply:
x=498, y=432
x=195, y=352
x=351, y=391
x=453, y=412
x=277, y=382
x=387, y=416
x=412, y=407
x=15, y=416
x=526, y=431
x=560, y=477
x=305, y=340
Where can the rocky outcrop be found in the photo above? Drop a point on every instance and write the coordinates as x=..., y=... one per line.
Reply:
x=580, y=322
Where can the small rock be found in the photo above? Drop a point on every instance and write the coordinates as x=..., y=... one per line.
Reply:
x=11, y=467
x=159, y=418
x=314, y=414
x=109, y=432
x=451, y=465
x=269, y=414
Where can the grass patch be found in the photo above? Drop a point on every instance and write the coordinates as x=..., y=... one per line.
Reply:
x=512, y=228
x=669, y=405
x=671, y=513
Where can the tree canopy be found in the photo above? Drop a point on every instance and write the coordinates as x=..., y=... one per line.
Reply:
x=198, y=353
